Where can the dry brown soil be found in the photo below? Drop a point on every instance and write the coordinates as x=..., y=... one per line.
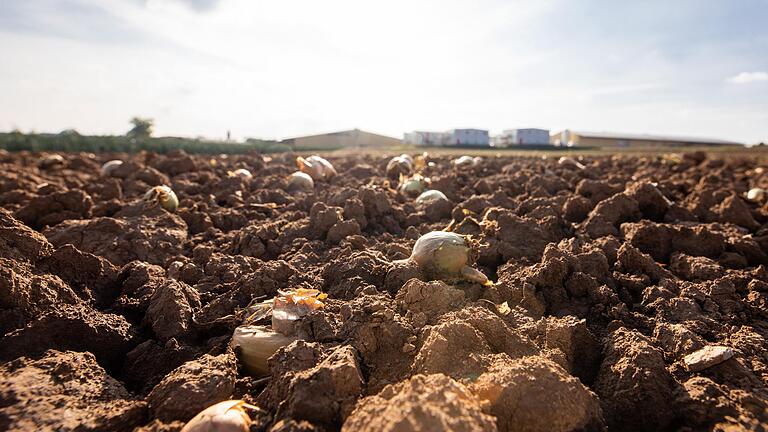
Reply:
x=116, y=314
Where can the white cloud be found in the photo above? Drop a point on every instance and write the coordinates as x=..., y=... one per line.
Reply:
x=625, y=88
x=748, y=77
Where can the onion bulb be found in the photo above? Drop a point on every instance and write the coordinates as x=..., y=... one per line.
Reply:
x=430, y=196
x=317, y=167
x=227, y=416
x=672, y=158
x=466, y=161
x=757, y=194
x=414, y=185
x=445, y=256
x=256, y=345
x=109, y=167
x=242, y=173
x=399, y=165
x=300, y=181
x=50, y=161
x=569, y=162
x=420, y=162
x=164, y=196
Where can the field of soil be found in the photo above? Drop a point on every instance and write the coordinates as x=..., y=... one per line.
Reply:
x=629, y=295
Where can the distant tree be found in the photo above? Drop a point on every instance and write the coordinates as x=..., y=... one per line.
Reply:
x=142, y=127
x=69, y=132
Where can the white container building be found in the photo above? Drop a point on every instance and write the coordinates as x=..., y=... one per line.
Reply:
x=422, y=138
x=468, y=137
x=524, y=136
x=454, y=137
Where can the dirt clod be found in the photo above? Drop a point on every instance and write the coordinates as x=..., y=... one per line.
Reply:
x=421, y=403
x=65, y=391
x=192, y=387
x=533, y=393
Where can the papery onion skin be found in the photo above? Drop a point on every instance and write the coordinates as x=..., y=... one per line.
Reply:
x=50, y=161
x=317, y=167
x=256, y=345
x=109, y=167
x=429, y=196
x=570, y=163
x=399, y=165
x=441, y=253
x=445, y=256
x=242, y=173
x=291, y=306
x=226, y=416
x=414, y=185
x=757, y=194
x=466, y=161
x=164, y=196
x=300, y=181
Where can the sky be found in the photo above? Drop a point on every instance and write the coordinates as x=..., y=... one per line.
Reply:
x=278, y=69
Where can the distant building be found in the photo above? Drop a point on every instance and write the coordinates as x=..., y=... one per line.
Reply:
x=453, y=137
x=354, y=138
x=525, y=137
x=421, y=138
x=618, y=140
x=469, y=137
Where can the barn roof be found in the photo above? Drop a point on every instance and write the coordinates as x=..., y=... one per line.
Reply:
x=649, y=137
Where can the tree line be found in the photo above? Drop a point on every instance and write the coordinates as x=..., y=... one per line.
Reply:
x=138, y=138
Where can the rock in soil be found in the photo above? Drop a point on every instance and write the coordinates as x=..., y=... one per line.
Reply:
x=707, y=357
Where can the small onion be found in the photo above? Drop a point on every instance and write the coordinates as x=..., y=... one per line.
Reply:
x=109, y=167
x=570, y=162
x=445, y=255
x=300, y=181
x=420, y=162
x=256, y=345
x=414, y=185
x=227, y=416
x=757, y=194
x=430, y=196
x=672, y=158
x=164, y=196
x=242, y=173
x=317, y=167
x=466, y=161
x=402, y=164
x=50, y=161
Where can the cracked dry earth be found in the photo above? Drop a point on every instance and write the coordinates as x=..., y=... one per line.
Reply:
x=629, y=295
